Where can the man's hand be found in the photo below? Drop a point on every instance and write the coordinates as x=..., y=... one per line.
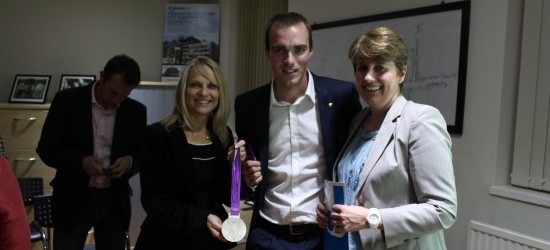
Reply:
x=121, y=166
x=92, y=165
x=322, y=213
x=251, y=171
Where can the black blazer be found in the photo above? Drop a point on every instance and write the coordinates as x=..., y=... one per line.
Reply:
x=168, y=192
x=67, y=137
x=337, y=101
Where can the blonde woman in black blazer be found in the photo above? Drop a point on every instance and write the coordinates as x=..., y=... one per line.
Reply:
x=185, y=174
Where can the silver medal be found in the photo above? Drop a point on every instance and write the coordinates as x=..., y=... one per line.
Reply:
x=233, y=229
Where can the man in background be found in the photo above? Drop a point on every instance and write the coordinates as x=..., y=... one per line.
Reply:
x=92, y=137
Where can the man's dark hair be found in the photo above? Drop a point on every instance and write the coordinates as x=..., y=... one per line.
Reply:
x=287, y=20
x=124, y=65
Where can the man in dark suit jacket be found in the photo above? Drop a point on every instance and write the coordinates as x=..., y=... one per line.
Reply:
x=296, y=126
x=92, y=136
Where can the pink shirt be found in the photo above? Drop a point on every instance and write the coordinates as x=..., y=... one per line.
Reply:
x=103, y=121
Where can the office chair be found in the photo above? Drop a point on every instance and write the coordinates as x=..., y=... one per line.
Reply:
x=32, y=190
x=43, y=216
x=3, y=150
x=31, y=187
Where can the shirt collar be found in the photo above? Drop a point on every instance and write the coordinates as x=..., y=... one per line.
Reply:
x=94, y=100
x=309, y=94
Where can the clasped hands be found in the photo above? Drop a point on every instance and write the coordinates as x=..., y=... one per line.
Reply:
x=345, y=218
x=250, y=169
x=93, y=166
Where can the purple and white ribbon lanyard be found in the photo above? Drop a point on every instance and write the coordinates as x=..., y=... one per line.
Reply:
x=234, y=228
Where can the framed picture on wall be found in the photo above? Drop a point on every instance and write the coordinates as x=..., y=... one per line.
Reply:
x=74, y=81
x=30, y=88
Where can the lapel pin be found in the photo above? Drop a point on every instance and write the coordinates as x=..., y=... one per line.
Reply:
x=330, y=105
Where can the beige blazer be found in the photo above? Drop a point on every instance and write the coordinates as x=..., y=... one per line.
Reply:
x=409, y=177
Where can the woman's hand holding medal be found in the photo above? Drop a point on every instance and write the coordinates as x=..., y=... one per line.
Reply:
x=214, y=225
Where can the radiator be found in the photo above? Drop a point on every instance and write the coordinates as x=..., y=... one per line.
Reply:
x=487, y=237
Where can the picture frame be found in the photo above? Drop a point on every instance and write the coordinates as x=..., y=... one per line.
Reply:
x=437, y=39
x=190, y=30
x=73, y=81
x=30, y=88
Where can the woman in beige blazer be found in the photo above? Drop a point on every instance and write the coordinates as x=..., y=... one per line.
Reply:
x=396, y=165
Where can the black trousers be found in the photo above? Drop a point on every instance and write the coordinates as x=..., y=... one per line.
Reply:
x=268, y=236
x=105, y=216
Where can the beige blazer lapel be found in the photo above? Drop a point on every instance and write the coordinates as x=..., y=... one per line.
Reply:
x=383, y=139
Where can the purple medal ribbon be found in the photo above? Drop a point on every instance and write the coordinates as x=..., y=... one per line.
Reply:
x=234, y=228
x=236, y=184
x=236, y=179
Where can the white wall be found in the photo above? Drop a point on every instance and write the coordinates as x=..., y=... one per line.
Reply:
x=483, y=153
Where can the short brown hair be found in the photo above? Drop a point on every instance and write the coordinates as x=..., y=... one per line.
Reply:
x=125, y=66
x=380, y=44
x=287, y=20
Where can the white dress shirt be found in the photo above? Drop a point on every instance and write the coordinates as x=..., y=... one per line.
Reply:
x=296, y=164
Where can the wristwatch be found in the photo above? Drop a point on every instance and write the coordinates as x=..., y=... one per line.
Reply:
x=373, y=218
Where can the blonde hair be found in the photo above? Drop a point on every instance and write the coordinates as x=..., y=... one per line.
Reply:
x=203, y=66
